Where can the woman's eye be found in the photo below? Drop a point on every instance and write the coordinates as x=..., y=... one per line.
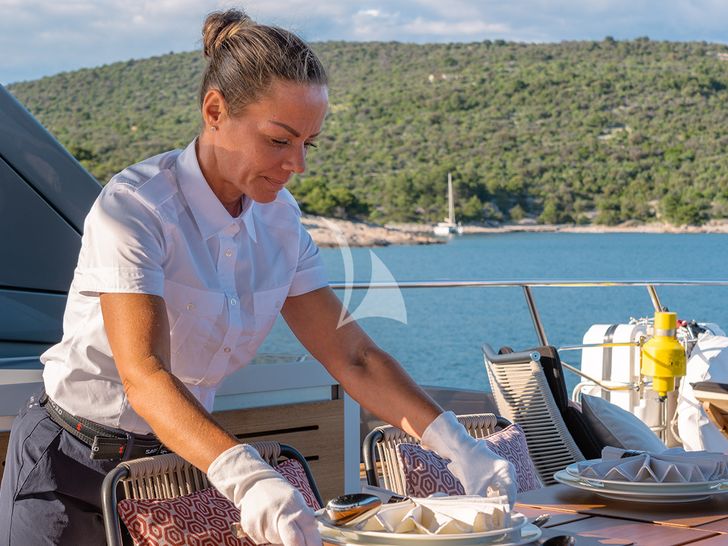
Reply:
x=310, y=145
x=279, y=142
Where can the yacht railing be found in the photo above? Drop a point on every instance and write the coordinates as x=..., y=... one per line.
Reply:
x=528, y=294
x=526, y=286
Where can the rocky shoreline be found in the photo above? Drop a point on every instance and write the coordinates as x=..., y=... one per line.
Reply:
x=330, y=232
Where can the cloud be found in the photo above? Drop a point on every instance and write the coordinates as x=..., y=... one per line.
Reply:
x=370, y=12
x=40, y=37
x=463, y=29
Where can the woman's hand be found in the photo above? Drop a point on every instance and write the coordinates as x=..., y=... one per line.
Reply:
x=271, y=509
x=472, y=462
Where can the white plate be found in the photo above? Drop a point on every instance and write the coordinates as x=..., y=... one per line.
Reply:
x=528, y=533
x=520, y=528
x=636, y=492
x=647, y=486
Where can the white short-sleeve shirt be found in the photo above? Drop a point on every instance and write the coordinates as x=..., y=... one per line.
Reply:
x=157, y=228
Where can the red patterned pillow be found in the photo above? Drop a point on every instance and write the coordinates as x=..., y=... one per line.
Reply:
x=293, y=471
x=200, y=519
x=425, y=472
x=510, y=443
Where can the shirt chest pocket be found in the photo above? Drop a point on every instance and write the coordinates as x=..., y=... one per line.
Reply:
x=266, y=306
x=194, y=319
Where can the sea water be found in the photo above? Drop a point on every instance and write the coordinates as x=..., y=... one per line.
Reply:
x=438, y=338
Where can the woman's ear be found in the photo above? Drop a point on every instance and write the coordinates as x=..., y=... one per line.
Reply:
x=213, y=108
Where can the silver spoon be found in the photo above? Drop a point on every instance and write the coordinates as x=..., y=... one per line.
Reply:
x=348, y=510
x=343, y=511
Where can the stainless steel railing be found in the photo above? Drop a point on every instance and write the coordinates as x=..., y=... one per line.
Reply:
x=665, y=426
x=650, y=285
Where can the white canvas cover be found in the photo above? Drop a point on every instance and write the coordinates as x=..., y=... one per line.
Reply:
x=708, y=362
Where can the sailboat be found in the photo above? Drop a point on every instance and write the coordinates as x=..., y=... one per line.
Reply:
x=448, y=226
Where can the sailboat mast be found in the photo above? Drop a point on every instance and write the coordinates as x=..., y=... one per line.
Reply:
x=450, y=200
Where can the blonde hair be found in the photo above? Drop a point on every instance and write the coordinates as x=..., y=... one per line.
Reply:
x=244, y=58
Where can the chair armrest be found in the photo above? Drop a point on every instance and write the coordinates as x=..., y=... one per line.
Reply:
x=369, y=456
x=112, y=524
x=291, y=452
x=510, y=358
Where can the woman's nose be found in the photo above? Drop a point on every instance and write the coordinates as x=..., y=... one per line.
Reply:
x=296, y=160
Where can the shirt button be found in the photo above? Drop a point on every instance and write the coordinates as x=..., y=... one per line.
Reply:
x=227, y=349
x=228, y=253
x=190, y=306
x=233, y=301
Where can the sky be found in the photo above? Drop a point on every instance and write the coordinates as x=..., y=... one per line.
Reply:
x=43, y=37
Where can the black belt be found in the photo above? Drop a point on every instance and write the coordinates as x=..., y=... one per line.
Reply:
x=105, y=442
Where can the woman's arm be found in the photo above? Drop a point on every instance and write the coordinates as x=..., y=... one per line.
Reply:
x=370, y=375
x=138, y=332
x=378, y=382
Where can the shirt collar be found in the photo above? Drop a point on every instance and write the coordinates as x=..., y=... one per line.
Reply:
x=247, y=217
x=207, y=210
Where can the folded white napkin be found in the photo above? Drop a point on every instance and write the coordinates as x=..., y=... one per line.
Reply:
x=442, y=515
x=673, y=465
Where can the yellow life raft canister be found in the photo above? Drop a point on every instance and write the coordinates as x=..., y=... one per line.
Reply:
x=662, y=356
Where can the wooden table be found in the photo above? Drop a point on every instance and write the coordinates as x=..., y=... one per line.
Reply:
x=597, y=520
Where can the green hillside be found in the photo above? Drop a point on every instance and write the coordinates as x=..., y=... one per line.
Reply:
x=578, y=131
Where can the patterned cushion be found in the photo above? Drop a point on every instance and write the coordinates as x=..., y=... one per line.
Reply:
x=200, y=519
x=510, y=443
x=293, y=471
x=425, y=472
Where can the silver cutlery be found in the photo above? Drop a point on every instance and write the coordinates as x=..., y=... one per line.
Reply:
x=343, y=511
x=348, y=510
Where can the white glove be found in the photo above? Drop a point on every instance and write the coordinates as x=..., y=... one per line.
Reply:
x=271, y=509
x=472, y=462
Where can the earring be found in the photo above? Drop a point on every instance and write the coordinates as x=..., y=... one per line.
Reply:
x=213, y=128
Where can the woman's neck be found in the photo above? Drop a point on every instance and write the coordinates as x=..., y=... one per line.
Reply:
x=234, y=208
x=232, y=203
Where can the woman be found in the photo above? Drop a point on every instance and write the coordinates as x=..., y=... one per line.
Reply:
x=185, y=261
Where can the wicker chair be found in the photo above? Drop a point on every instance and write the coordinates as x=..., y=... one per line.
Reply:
x=380, y=448
x=522, y=394
x=169, y=476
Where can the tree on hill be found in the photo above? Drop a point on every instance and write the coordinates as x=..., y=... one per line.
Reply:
x=563, y=132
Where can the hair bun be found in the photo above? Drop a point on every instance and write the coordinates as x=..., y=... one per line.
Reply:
x=221, y=25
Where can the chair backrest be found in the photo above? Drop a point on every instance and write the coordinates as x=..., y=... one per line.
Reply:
x=168, y=476
x=586, y=440
x=521, y=391
x=380, y=445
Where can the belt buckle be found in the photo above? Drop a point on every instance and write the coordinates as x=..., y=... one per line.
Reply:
x=114, y=449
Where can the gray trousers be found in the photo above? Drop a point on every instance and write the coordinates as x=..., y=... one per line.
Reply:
x=51, y=488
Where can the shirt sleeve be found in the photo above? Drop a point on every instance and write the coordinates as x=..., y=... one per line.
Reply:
x=310, y=272
x=122, y=249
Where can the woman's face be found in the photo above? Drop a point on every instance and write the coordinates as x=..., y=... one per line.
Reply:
x=255, y=152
